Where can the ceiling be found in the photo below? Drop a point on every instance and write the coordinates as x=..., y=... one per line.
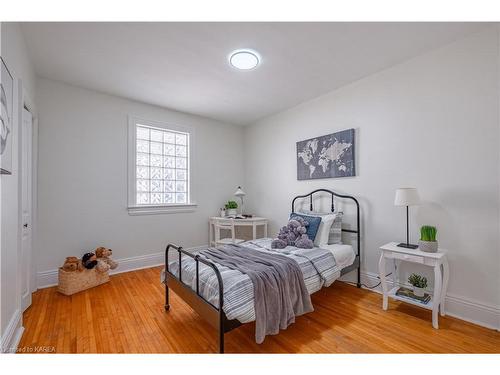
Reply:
x=184, y=66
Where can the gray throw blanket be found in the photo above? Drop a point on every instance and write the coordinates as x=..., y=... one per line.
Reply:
x=279, y=290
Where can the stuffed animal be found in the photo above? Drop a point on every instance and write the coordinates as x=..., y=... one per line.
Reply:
x=102, y=266
x=89, y=260
x=304, y=242
x=293, y=234
x=72, y=264
x=104, y=255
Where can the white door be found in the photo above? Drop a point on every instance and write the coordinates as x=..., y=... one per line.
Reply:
x=26, y=207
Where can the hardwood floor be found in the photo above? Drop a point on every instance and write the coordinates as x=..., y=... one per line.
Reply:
x=126, y=315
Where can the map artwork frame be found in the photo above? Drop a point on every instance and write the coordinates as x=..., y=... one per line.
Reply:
x=327, y=156
x=6, y=118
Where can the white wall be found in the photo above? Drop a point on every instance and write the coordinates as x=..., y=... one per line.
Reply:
x=431, y=123
x=82, y=189
x=16, y=57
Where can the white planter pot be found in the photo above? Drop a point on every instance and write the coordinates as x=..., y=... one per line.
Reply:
x=232, y=212
x=419, y=292
x=428, y=246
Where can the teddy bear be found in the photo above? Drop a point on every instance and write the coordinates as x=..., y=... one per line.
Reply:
x=72, y=264
x=286, y=235
x=293, y=234
x=103, y=255
x=89, y=260
x=102, y=266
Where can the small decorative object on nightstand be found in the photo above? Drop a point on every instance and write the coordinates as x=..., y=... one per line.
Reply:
x=407, y=197
x=438, y=261
x=419, y=284
x=240, y=194
x=231, y=208
x=223, y=212
x=428, y=241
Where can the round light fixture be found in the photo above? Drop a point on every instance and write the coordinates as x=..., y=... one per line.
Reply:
x=244, y=59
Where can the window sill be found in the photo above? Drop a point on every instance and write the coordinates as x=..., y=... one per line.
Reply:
x=166, y=209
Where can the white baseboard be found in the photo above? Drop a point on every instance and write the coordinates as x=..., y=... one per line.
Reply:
x=13, y=334
x=459, y=307
x=47, y=279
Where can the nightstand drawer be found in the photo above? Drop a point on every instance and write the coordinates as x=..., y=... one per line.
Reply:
x=407, y=257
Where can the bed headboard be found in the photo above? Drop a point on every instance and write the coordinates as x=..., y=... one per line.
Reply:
x=332, y=193
x=343, y=196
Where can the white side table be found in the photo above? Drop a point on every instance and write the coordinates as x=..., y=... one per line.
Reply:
x=438, y=261
x=253, y=222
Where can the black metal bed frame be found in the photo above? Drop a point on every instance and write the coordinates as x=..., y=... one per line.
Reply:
x=215, y=315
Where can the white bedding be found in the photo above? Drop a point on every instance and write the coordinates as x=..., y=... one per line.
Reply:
x=344, y=254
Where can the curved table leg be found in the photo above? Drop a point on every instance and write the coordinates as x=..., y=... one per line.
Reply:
x=381, y=270
x=437, y=295
x=446, y=277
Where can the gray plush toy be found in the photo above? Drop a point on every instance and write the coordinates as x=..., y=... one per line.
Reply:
x=293, y=234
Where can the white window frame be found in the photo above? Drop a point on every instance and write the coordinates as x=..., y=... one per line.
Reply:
x=133, y=207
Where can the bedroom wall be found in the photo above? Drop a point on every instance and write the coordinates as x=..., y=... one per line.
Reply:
x=83, y=179
x=14, y=52
x=431, y=123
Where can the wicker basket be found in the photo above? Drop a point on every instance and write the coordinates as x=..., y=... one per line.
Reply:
x=71, y=282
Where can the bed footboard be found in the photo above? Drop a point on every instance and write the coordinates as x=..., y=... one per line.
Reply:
x=214, y=315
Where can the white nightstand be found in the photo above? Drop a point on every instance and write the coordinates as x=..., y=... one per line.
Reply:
x=438, y=261
x=253, y=222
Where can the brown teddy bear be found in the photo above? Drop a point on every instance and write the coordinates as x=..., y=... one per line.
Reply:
x=104, y=256
x=72, y=264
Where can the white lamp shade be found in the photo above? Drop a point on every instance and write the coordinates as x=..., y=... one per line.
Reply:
x=406, y=197
x=239, y=192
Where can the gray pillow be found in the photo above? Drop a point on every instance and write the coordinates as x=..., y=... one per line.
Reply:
x=336, y=230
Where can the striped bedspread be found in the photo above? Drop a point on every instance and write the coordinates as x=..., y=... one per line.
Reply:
x=317, y=265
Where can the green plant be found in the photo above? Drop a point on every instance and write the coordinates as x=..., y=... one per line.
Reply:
x=231, y=205
x=417, y=281
x=428, y=233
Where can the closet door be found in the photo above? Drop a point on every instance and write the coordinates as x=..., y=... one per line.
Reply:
x=26, y=256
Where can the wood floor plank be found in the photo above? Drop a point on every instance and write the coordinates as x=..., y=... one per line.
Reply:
x=126, y=315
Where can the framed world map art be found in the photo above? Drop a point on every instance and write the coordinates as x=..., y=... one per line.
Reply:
x=6, y=112
x=326, y=156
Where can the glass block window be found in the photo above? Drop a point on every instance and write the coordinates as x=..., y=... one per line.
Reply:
x=162, y=166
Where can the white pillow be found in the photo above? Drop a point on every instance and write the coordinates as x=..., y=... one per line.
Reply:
x=324, y=230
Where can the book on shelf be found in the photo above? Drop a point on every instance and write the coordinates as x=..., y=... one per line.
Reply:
x=408, y=293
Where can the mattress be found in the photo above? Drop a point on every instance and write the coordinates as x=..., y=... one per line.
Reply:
x=238, y=289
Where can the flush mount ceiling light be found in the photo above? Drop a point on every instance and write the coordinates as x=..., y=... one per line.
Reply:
x=244, y=59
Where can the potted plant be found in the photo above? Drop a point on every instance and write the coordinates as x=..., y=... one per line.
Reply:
x=231, y=208
x=419, y=284
x=428, y=241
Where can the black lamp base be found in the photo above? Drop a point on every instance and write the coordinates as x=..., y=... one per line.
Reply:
x=407, y=245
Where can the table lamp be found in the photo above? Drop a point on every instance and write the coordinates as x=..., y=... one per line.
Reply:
x=407, y=197
x=240, y=194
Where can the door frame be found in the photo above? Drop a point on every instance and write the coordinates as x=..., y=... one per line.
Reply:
x=25, y=101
